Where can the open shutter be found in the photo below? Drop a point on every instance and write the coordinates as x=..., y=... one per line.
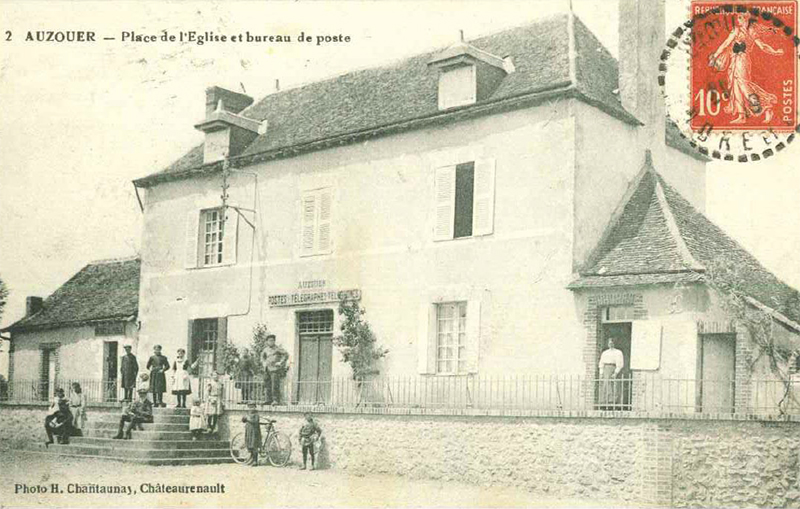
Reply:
x=192, y=235
x=473, y=335
x=324, y=222
x=191, y=350
x=424, y=334
x=230, y=237
x=309, y=214
x=445, y=184
x=483, y=198
x=222, y=336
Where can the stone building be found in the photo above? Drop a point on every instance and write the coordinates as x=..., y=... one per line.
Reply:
x=77, y=333
x=491, y=204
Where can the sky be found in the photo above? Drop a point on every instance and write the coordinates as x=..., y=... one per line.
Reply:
x=81, y=120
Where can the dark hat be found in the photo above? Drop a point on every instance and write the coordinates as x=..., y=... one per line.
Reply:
x=142, y=391
x=127, y=347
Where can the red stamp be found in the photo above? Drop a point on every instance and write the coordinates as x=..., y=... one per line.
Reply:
x=743, y=66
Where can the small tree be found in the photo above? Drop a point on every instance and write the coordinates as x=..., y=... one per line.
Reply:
x=244, y=364
x=3, y=296
x=357, y=342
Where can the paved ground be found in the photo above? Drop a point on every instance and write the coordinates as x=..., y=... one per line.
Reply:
x=244, y=486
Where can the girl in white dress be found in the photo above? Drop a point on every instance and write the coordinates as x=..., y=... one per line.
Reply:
x=181, y=382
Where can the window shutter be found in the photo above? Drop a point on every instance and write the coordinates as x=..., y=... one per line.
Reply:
x=324, y=222
x=483, y=198
x=445, y=184
x=473, y=334
x=309, y=215
x=192, y=224
x=230, y=237
x=222, y=336
x=645, y=345
x=424, y=334
x=191, y=351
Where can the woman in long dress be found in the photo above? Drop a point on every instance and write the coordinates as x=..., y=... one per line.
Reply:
x=77, y=406
x=181, y=382
x=747, y=98
x=611, y=363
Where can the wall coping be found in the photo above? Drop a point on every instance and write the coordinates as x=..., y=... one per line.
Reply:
x=46, y=404
x=554, y=414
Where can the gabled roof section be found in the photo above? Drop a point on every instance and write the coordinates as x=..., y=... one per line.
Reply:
x=659, y=237
x=403, y=96
x=101, y=291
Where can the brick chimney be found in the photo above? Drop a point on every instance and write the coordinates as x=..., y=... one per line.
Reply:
x=32, y=305
x=642, y=38
x=227, y=132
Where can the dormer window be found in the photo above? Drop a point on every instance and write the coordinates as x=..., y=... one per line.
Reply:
x=457, y=86
x=468, y=74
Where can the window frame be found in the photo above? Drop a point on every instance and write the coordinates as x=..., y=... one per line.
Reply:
x=458, y=345
x=447, y=100
x=203, y=243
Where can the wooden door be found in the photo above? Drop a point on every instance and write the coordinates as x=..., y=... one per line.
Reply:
x=110, y=370
x=718, y=366
x=314, y=373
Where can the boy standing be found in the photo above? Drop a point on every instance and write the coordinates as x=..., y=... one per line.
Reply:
x=309, y=433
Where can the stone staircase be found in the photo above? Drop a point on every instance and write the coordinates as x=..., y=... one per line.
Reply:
x=165, y=441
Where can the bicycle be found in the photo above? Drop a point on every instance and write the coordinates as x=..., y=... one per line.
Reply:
x=275, y=446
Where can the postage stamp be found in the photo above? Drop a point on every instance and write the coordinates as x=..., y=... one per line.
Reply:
x=729, y=77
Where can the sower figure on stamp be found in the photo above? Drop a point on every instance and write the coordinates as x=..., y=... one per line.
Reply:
x=128, y=370
x=274, y=359
x=158, y=364
x=135, y=414
x=747, y=99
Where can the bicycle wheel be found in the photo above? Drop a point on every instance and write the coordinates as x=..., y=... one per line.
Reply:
x=279, y=449
x=239, y=451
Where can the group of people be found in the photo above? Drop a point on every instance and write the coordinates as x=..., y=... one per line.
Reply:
x=310, y=433
x=66, y=416
x=154, y=380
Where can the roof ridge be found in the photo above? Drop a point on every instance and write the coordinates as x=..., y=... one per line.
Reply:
x=683, y=250
x=121, y=259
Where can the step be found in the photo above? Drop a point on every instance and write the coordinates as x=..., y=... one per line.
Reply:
x=170, y=411
x=142, y=454
x=202, y=443
x=148, y=426
x=139, y=435
x=149, y=461
x=158, y=418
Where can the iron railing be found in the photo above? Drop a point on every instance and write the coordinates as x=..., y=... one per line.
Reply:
x=638, y=393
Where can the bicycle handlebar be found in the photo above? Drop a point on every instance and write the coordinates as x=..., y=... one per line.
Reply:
x=268, y=422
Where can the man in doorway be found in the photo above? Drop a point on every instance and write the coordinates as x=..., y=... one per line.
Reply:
x=274, y=359
x=128, y=370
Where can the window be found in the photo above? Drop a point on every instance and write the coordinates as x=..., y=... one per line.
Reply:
x=614, y=314
x=315, y=322
x=206, y=336
x=213, y=228
x=211, y=238
x=464, y=200
x=457, y=86
x=451, y=337
x=316, y=222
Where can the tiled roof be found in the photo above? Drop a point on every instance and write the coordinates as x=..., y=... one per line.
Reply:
x=659, y=237
x=404, y=95
x=107, y=290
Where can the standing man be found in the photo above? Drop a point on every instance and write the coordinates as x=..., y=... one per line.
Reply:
x=128, y=370
x=158, y=364
x=274, y=359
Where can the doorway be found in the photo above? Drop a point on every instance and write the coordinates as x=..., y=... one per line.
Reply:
x=47, y=379
x=616, y=322
x=315, y=340
x=717, y=369
x=110, y=368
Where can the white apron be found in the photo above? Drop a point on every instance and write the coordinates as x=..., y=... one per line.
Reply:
x=180, y=378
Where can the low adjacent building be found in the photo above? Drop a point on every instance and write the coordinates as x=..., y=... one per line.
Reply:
x=77, y=333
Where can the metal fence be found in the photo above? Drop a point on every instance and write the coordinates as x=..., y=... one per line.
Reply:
x=639, y=393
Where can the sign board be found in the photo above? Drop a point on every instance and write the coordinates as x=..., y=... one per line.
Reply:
x=321, y=297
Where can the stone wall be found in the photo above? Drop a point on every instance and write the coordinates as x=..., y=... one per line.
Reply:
x=679, y=462
x=21, y=424
x=686, y=462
